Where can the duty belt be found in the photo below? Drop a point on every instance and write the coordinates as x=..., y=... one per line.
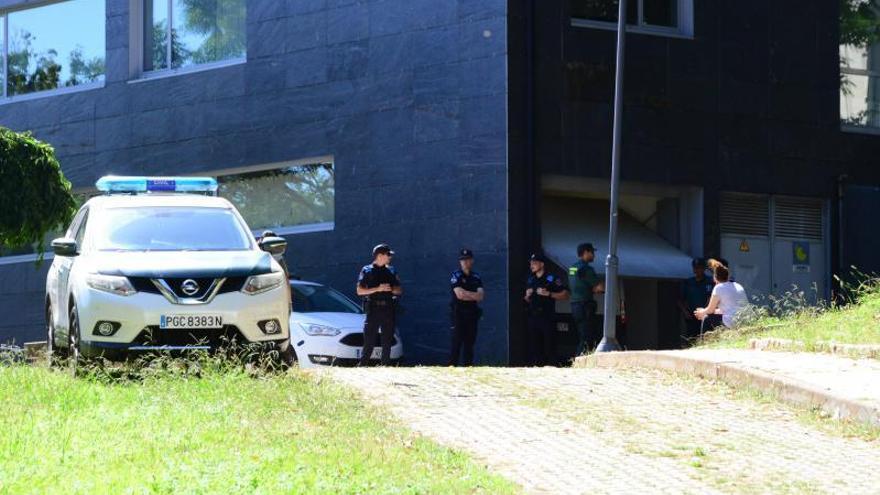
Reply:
x=380, y=303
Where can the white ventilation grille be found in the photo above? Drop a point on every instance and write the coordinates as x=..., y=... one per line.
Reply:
x=798, y=218
x=745, y=214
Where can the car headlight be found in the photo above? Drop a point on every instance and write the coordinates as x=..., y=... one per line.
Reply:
x=257, y=284
x=315, y=330
x=110, y=283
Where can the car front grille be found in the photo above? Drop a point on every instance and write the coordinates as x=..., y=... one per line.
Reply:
x=357, y=340
x=145, y=284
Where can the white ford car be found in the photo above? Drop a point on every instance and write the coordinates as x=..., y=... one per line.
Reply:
x=327, y=328
x=146, y=267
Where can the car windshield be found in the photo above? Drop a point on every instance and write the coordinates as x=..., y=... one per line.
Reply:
x=170, y=228
x=321, y=299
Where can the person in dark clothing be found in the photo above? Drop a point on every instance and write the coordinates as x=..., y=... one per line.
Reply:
x=542, y=291
x=695, y=293
x=467, y=292
x=379, y=285
x=584, y=282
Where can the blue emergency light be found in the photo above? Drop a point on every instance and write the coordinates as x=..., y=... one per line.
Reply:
x=132, y=185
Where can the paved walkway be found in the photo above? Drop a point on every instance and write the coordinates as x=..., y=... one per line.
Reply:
x=619, y=431
x=844, y=387
x=854, y=379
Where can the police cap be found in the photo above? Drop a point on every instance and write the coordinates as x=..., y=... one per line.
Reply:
x=465, y=254
x=538, y=257
x=583, y=248
x=382, y=249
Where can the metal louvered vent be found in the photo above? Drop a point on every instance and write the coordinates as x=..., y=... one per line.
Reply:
x=798, y=218
x=745, y=214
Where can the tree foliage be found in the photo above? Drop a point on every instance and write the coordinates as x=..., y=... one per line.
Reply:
x=287, y=197
x=30, y=70
x=860, y=29
x=859, y=22
x=34, y=195
x=221, y=23
x=179, y=52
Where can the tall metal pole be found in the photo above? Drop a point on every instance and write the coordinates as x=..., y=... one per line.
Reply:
x=612, y=304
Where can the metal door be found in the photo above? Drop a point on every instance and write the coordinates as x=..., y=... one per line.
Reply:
x=745, y=242
x=776, y=245
x=799, y=252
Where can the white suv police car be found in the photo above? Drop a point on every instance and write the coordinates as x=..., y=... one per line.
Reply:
x=145, y=267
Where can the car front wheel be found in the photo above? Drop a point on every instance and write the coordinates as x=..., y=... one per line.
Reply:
x=73, y=336
x=52, y=349
x=288, y=356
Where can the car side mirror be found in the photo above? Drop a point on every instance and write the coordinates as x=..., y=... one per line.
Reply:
x=276, y=246
x=64, y=246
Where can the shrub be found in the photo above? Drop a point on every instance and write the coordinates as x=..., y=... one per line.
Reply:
x=34, y=195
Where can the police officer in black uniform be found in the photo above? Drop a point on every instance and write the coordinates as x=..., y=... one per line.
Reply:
x=542, y=291
x=467, y=292
x=379, y=285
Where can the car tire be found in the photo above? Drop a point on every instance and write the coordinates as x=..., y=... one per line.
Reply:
x=287, y=357
x=53, y=351
x=73, y=338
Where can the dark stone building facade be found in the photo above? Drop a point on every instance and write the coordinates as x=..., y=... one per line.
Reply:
x=452, y=122
x=408, y=97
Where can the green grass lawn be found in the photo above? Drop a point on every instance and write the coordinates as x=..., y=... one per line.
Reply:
x=857, y=323
x=223, y=432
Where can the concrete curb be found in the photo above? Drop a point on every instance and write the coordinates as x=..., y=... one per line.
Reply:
x=849, y=350
x=791, y=391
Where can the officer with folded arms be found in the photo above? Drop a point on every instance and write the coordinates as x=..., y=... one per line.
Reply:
x=467, y=293
x=379, y=285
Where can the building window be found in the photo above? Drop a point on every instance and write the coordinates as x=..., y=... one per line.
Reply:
x=30, y=252
x=184, y=33
x=285, y=198
x=860, y=64
x=52, y=47
x=649, y=16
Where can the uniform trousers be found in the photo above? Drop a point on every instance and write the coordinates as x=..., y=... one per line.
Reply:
x=542, y=340
x=378, y=317
x=587, y=325
x=464, y=336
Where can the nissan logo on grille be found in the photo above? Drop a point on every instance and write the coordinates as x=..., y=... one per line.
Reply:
x=189, y=287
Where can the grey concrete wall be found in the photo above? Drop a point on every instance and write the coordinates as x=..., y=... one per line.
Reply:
x=410, y=98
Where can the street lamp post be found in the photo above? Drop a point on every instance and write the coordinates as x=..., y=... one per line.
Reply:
x=609, y=332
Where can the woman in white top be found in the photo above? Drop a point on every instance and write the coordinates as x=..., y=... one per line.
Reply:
x=727, y=301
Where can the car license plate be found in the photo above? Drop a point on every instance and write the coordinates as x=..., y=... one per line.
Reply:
x=377, y=353
x=190, y=321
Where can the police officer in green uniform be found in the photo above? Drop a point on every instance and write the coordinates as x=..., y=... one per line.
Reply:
x=583, y=283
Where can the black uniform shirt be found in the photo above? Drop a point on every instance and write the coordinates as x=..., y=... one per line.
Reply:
x=373, y=276
x=469, y=282
x=543, y=305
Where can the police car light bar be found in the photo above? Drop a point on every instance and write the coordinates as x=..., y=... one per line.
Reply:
x=118, y=184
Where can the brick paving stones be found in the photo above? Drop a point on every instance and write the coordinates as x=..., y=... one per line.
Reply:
x=620, y=431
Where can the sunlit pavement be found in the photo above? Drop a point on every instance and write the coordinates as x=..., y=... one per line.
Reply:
x=613, y=431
